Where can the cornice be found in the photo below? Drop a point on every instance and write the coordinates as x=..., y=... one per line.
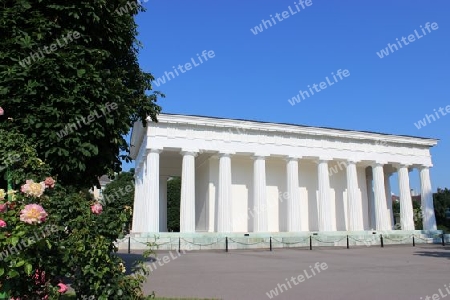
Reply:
x=243, y=125
x=136, y=139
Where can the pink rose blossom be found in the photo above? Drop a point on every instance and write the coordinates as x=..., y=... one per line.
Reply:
x=33, y=213
x=3, y=207
x=62, y=288
x=39, y=277
x=97, y=208
x=1, y=111
x=2, y=223
x=49, y=182
x=32, y=188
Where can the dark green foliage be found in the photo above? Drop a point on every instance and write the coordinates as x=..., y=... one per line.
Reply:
x=441, y=201
x=119, y=196
x=80, y=246
x=173, y=204
x=96, y=74
x=418, y=222
x=18, y=155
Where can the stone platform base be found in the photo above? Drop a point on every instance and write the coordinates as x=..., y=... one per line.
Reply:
x=222, y=241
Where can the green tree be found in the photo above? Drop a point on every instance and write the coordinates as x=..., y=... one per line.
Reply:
x=173, y=204
x=119, y=195
x=441, y=200
x=71, y=82
x=417, y=211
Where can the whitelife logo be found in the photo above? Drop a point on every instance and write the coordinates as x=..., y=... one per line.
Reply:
x=34, y=57
x=72, y=127
x=187, y=67
x=323, y=85
x=297, y=280
x=284, y=15
x=411, y=38
x=430, y=118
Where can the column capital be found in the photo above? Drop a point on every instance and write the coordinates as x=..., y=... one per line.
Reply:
x=425, y=166
x=259, y=155
x=352, y=161
x=189, y=152
x=378, y=163
x=400, y=165
x=225, y=153
x=325, y=158
x=321, y=159
x=154, y=150
x=292, y=157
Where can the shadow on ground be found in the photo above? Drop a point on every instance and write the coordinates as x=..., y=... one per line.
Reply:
x=440, y=252
x=131, y=259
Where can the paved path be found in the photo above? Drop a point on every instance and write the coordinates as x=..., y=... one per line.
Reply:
x=393, y=272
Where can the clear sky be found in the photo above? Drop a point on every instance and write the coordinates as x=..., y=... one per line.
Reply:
x=252, y=76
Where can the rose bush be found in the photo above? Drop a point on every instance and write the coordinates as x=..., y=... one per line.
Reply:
x=51, y=235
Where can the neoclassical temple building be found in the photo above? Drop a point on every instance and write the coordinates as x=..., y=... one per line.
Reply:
x=241, y=176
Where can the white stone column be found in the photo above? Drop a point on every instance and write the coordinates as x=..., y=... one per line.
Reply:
x=187, y=206
x=371, y=200
x=387, y=185
x=354, y=204
x=151, y=183
x=406, y=208
x=325, y=218
x=294, y=223
x=139, y=218
x=137, y=203
x=260, y=220
x=163, y=203
x=224, y=201
x=379, y=197
x=429, y=218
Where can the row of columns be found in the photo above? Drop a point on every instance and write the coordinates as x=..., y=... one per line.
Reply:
x=380, y=208
x=153, y=217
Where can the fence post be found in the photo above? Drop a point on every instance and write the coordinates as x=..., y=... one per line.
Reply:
x=381, y=240
x=179, y=244
x=310, y=242
x=443, y=239
x=414, y=242
x=129, y=245
x=226, y=244
x=348, y=245
x=270, y=243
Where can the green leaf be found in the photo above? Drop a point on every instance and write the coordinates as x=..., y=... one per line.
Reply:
x=13, y=273
x=81, y=72
x=14, y=240
x=28, y=269
x=20, y=263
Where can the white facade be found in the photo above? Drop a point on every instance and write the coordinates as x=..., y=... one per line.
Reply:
x=247, y=176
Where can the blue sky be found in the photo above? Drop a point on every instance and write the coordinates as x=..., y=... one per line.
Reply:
x=253, y=76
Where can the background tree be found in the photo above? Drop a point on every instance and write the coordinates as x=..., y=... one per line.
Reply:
x=417, y=214
x=71, y=82
x=173, y=204
x=441, y=201
x=119, y=195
